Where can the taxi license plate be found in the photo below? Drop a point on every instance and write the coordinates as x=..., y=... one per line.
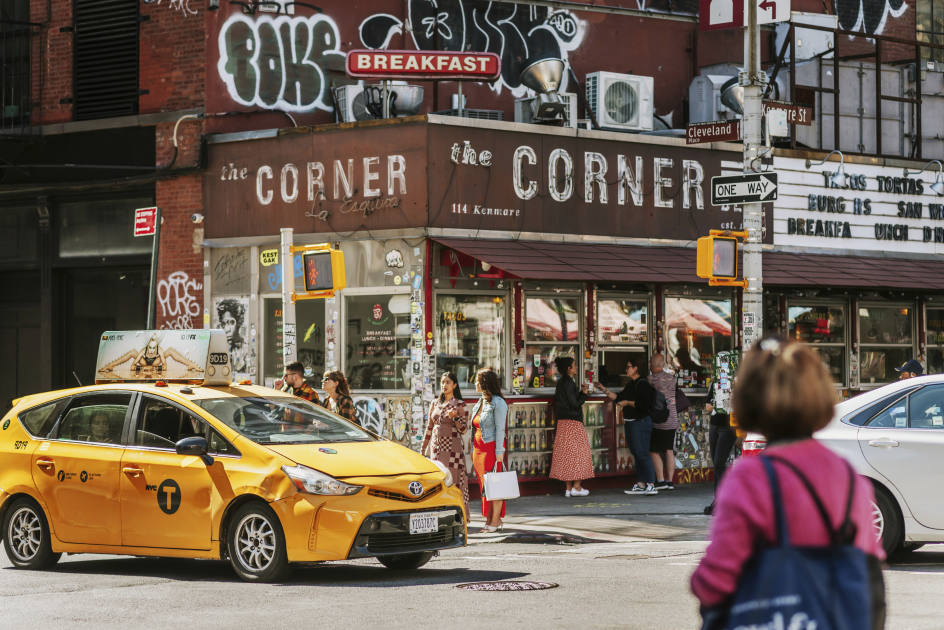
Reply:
x=424, y=523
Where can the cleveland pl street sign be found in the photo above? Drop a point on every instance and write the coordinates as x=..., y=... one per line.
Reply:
x=747, y=188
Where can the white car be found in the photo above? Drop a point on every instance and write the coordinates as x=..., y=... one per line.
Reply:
x=894, y=436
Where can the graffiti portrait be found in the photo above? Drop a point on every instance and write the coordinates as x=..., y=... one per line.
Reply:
x=230, y=316
x=517, y=33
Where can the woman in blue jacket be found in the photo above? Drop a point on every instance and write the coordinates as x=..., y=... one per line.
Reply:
x=489, y=416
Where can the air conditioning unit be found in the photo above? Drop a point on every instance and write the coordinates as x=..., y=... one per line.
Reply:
x=365, y=102
x=525, y=109
x=480, y=114
x=704, y=99
x=621, y=102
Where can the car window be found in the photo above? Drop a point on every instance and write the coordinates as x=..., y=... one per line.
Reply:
x=894, y=417
x=162, y=424
x=97, y=418
x=864, y=414
x=926, y=408
x=283, y=420
x=39, y=421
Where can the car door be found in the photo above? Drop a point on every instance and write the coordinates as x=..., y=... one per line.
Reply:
x=165, y=497
x=77, y=472
x=903, y=443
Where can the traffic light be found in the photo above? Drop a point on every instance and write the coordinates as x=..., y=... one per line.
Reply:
x=717, y=258
x=323, y=271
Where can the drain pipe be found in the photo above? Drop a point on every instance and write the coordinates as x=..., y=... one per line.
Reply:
x=861, y=110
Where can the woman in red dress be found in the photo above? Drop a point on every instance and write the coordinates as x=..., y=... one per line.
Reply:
x=489, y=416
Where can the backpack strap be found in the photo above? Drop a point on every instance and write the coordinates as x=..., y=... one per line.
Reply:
x=845, y=533
x=782, y=533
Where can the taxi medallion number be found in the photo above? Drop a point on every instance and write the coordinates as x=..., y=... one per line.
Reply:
x=424, y=523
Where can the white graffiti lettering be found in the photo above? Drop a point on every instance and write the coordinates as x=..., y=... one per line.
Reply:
x=177, y=296
x=181, y=6
x=279, y=63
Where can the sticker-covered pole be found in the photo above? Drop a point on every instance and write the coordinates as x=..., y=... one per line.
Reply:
x=753, y=80
x=287, y=260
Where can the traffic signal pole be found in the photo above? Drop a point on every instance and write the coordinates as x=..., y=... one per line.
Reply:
x=753, y=80
x=289, y=345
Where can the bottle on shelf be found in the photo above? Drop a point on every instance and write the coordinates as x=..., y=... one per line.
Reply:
x=532, y=421
x=516, y=443
x=543, y=440
x=532, y=443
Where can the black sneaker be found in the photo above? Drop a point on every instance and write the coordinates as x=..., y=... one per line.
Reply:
x=709, y=509
x=669, y=485
x=662, y=485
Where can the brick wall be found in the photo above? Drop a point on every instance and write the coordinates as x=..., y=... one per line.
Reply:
x=180, y=262
x=51, y=61
x=173, y=56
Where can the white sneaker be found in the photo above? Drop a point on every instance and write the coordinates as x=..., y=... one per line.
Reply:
x=568, y=493
x=583, y=492
x=650, y=489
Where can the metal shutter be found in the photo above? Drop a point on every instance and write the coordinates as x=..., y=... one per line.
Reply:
x=106, y=59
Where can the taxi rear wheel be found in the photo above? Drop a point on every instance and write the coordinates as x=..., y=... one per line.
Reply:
x=256, y=544
x=406, y=561
x=26, y=536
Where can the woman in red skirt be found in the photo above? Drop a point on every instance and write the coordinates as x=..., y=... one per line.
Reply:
x=489, y=416
x=572, y=460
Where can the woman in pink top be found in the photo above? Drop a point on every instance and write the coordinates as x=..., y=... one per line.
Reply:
x=784, y=392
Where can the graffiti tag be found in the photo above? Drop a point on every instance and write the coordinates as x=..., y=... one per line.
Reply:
x=181, y=6
x=280, y=62
x=868, y=16
x=178, y=300
x=517, y=33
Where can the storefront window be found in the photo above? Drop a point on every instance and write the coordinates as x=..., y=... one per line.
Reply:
x=470, y=334
x=885, y=341
x=935, y=340
x=823, y=326
x=622, y=321
x=377, y=355
x=309, y=318
x=552, y=330
x=696, y=330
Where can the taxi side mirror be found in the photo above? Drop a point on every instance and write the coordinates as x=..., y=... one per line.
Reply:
x=196, y=446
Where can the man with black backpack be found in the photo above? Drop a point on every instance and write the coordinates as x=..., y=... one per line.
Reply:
x=636, y=402
x=664, y=423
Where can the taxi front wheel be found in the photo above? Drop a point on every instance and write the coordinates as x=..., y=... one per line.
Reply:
x=406, y=561
x=256, y=544
x=26, y=536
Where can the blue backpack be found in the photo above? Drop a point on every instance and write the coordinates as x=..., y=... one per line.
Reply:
x=803, y=588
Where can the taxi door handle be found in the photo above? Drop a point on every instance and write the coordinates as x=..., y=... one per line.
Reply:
x=883, y=443
x=132, y=471
x=45, y=463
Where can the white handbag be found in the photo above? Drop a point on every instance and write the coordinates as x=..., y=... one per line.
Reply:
x=501, y=486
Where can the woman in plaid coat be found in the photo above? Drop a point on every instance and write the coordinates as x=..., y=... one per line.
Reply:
x=448, y=420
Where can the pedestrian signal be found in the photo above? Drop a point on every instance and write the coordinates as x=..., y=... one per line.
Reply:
x=324, y=271
x=717, y=258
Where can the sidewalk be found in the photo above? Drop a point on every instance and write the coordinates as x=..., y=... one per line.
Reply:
x=605, y=515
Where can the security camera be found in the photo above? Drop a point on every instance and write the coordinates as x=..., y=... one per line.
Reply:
x=196, y=217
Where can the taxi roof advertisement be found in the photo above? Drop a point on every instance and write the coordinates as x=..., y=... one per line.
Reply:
x=163, y=355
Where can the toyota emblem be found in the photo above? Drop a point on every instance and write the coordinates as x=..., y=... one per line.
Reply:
x=416, y=488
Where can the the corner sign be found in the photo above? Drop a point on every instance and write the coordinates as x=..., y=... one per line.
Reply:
x=423, y=64
x=747, y=188
x=718, y=131
x=145, y=221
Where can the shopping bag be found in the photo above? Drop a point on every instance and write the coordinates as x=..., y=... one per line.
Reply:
x=501, y=486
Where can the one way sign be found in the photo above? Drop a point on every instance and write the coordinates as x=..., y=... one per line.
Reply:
x=747, y=188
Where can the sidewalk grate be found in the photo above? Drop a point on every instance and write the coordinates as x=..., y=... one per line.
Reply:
x=507, y=585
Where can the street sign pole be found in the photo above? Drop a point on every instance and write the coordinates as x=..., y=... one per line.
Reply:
x=155, y=248
x=753, y=81
x=289, y=345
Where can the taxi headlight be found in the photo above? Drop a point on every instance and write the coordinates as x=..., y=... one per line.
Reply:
x=448, y=481
x=315, y=482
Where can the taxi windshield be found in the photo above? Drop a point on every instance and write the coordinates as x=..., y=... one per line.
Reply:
x=283, y=420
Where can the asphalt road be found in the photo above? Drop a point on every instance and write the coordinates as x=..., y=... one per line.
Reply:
x=637, y=579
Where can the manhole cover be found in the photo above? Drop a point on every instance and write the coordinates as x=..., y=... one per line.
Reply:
x=507, y=585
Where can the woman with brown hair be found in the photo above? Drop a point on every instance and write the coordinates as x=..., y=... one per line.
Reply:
x=572, y=461
x=338, y=396
x=489, y=417
x=442, y=441
x=784, y=391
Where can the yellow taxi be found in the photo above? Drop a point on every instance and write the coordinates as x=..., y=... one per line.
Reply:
x=165, y=457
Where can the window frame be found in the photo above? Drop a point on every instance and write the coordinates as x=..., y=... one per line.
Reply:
x=635, y=346
x=717, y=296
x=577, y=293
x=505, y=294
x=846, y=333
x=343, y=336
x=123, y=439
x=862, y=346
x=936, y=345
